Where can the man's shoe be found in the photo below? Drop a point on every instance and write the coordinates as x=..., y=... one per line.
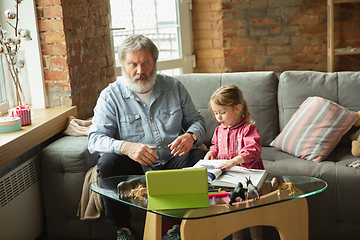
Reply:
x=124, y=234
x=173, y=233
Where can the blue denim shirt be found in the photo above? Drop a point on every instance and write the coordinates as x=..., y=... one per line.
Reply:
x=120, y=115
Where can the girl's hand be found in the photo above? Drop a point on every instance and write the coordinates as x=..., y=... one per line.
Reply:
x=231, y=163
x=210, y=155
x=228, y=164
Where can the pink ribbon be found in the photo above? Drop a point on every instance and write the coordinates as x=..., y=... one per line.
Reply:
x=18, y=112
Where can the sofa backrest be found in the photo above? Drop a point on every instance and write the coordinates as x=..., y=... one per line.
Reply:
x=260, y=91
x=295, y=86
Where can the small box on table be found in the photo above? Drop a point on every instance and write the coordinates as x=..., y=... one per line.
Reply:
x=23, y=112
x=10, y=124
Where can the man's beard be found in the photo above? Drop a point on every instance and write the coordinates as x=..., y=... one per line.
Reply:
x=139, y=86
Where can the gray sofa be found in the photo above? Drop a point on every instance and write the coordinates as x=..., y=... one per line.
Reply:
x=333, y=214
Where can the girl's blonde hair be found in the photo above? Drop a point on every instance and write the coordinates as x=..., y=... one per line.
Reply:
x=230, y=95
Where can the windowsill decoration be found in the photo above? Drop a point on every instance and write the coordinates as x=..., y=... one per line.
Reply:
x=9, y=47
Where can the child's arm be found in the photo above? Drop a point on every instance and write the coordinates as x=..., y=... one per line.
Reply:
x=210, y=155
x=251, y=148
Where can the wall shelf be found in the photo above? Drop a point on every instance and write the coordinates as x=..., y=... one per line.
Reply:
x=331, y=51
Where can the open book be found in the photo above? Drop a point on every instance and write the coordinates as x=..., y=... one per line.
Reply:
x=231, y=177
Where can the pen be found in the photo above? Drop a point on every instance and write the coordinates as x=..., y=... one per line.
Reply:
x=218, y=191
x=218, y=195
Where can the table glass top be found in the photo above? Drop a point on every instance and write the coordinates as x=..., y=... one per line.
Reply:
x=305, y=186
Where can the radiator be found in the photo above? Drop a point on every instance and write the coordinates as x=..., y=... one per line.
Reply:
x=21, y=210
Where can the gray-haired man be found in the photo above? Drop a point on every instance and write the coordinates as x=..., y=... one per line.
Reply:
x=143, y=121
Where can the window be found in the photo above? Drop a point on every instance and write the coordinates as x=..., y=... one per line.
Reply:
x=166, y=22
x=33, y=59
x=3, y=101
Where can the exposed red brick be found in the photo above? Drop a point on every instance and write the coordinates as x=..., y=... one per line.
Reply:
x=302, y=58
x=245, y=42
x=266, y=21
x=201, y=7
x=58, y=62
x=51, y=25
x=303, y=20
x=56, y=75
x=276, y=30
x=54, y=49
x=48, y=2
x=53, y=12
x=274, y=49
x=237, y=52
x=54, y=37
x=316, y=48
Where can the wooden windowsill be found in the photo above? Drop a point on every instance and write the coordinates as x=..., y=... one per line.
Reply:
x=45, y=124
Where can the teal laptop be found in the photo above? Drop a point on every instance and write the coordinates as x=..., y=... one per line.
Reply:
x=177, y=188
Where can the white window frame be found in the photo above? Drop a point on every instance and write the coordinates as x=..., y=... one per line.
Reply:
x=4, y=106
x=32, y=49
x=187, y=61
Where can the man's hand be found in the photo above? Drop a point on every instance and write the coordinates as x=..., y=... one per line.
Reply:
x=181, y=145
x=141, y=153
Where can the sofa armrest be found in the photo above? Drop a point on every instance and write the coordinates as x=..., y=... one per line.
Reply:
x=64, y=164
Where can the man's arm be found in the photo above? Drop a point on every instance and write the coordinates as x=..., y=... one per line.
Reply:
x=101, y=137
x=192, y=121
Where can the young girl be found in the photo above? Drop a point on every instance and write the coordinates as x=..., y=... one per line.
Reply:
x=235, y=139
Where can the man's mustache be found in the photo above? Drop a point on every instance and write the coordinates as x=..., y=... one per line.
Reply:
x=143, y=76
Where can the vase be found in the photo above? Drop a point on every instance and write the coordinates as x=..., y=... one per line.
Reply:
x=17, y=82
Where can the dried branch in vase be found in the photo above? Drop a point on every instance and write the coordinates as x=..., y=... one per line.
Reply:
x=10, y=45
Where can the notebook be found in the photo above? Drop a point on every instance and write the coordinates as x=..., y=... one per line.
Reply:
x=177, y=189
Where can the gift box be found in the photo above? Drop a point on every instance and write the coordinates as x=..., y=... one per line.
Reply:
x=10, y=124
x=22, y=112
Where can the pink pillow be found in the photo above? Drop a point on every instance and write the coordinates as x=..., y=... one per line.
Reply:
x=315, y=129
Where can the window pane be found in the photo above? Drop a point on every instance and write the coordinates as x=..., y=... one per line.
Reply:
x=157, y=19
x=2, y=82
x=2, y=77
x=172, y=72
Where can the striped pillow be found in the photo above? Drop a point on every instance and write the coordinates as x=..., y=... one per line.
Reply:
x=315, y=129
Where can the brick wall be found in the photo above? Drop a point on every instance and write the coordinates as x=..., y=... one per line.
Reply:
x=271, y=35
x=208, y=34
x=229, y=36
x=77, y=52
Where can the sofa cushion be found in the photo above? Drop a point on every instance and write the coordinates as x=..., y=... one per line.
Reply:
x=315, y=129
x=296, y=86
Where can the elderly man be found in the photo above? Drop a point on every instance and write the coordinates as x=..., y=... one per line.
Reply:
x=143, y=121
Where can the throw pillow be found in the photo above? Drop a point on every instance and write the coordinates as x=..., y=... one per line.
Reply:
x=315, y=129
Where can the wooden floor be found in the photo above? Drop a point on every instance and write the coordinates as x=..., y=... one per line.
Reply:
x=43, y=236
x=273, y=235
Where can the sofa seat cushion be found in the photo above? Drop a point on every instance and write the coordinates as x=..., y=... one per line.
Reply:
x=285, y=164
x=347, y=182
x=335, y=204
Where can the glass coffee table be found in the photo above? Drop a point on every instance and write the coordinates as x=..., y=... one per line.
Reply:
x=288, y=213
